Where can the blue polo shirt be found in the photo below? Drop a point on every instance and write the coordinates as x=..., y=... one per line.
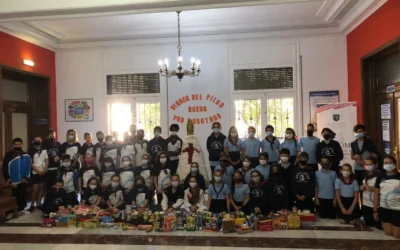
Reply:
x=247, y=175
x=232, y=147
x=227, y=176
x=240, y=192
x=309, y=145
x=293, y=146
x=271, y=149
x=326, y=184
x=252, y=147
x=221, y=192
x=264, y=170
x=347, y=191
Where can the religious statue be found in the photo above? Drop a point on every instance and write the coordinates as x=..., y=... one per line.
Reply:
x=191, y=152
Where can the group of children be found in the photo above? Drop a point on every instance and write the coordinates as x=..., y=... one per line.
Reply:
x=248, y=175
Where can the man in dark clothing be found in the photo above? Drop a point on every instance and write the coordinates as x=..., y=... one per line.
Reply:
x=174, y=147
x=215, y=145
x=156, y=145
x=52, y=146
x=98, y=147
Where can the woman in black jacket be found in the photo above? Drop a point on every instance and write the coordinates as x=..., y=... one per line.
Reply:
x=330, y=149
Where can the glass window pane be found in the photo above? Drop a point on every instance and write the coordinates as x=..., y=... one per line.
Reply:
x=280, y=115
x=121, y=118
x=147, y=117
x=15, y=91
x=248, y=113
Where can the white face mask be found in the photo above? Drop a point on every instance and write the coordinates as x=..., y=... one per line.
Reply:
x=233, y=134
x=107, y=164
x=174, y=183
x=126, y=163
x=172, y=132
x=289, y=136
x=346, y=173
x=251, y=135
x=255, y=179
x=389, y=167
x=71, y=137
x=109, y=142
x=246, y=164
x=269, y=133
x=114, y=184
x=93, y=187
x=194, y=170
x=217, y=178
x=163, y=160
x=66, y=164
x=193, y=184
x=284, y=159
x=263, y=162
x=144, y=162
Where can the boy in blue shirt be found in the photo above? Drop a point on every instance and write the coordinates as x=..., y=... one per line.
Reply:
x=325, y=190
x=251, y=146
x=263, y=168
x=309, y=145
x=270, y=144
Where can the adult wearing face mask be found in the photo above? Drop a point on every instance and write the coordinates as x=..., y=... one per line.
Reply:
x=70, y=177
x=174, y=147
x=52, y=146
x=88, y=171
x=98, y=148
x=114, y=194
x=292, y=144
x=361, y=149
x=71, y=147
x=194, y=172
x=110, y=150
x=141, y=146
x=270, y=145
x=215, y=145
x=251, y=146
x=232, y=146
x=172, y=196
x=387, y=198
x=330, y=148
x=156, y=145
x=309, y=145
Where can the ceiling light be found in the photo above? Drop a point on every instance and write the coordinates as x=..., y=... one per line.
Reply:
x=29, y=63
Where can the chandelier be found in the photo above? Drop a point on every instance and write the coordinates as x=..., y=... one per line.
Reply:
x=180, y=72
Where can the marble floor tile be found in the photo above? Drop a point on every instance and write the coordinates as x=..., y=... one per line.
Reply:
x=351, y=235
x=14, y=230
x=36, y=217
x=7, y=246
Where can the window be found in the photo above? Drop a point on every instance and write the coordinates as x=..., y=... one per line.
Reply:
x=267, y=78
x=248, y=113
x=280, y=115
x=126, y=84
x=148, y=117
x=120, y=118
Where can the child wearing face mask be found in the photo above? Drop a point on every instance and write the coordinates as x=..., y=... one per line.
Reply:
x=194, y=197
x=156, y=145
x=240, y=193
x=218, y=194
x=55, y=198
x=92, y=194
x=87, y=171
x=263, y=168
x=277, y=189
x=40, y=163
x=52, y=146
x=258, y=194
x=71, y=147
x=232, y=146
x=172, y=196
x=270, y=145
x=386, y=198
x=174, y=147
x=139, y=196
x=127, y=149
x=330, y=148
x=325, y=190
x=98, y=147
x=146, y=170
x=141, y=147
x=162, y=177
x=284, y=155
x=368, y=190
x=70, y=177
x=194, y=172
x=309, y=145
x=87, y=147
x=246, y=170
x=111, y=149
x=126, y=174
x=226, y=169
x=303, y=184
x=347, y=192
x=292, y=144
x=114, y=194
x=251, y=146
x=215, y=145
x=108, y=171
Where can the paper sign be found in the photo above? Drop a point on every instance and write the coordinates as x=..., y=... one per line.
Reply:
x=386, y=131
x=385, y=111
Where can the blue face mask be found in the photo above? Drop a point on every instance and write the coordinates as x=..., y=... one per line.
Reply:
x=251, y=135
x=216, y=130
x=157, y=134
x=360, y=135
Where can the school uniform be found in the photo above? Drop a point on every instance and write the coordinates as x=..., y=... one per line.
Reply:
x=72, y=151
x=293, y=146
x=227, y=174
x=86, y=173
x=239, y=194
x=97, y=149
x=17, y=167
x=271, y=146
x=189, y=201
x=326, y=193
x=218, y=194
x=53, y=200
x=106, y=175
x=39, y=158
x=303, y=183
x=389, y=211
x=246, y=175
x=174, y=149
x=110, y=151
x=53, y=150
x=287, y=170
x=156, y=145
x=114, y=196
x=172, y=198
x=140, y=149
x=70, y=177
x=365, y=148
x=333, y=151
x=277, y=193
x=201, y=183
x=146, y=173
x=139, y=197
x=127, y=149
x=252, y=147
x=163, y=181
x=234, y=149
x=91, y=196
x=367, y=207
x=258, y=197
x=215, y=146
x=264, y=170
x=127, y=176
x=309, y=145
x=86, y=149
x=347, y=198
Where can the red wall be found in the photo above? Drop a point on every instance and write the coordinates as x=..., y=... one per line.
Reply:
x=381, y=27
x=12, y=52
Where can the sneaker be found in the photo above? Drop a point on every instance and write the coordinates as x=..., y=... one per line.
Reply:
x=23, y=212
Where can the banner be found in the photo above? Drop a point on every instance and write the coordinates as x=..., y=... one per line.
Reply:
x=321, y=98
x=341, y=118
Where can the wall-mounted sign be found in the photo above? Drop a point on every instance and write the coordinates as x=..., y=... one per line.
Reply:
x=390, y=89
x=78, y=110
x=385, y=111
x=198, y=104
x=41, y=121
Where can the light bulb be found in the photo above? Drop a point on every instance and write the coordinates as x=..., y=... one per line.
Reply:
x=198, y=62
x=193, y=60
x=166, y=61
x=180, y=59
x=160, y=62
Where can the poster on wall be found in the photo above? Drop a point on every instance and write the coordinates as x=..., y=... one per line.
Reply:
x=79, y=110
x=340, y=117
x=321, y=98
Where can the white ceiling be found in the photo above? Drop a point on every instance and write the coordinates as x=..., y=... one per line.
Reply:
x=289, y=15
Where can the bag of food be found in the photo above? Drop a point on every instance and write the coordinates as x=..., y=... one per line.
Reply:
x=72, y=221
x=293, y=221
x=191, y=223
x=170, y=224
x=228, y=226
